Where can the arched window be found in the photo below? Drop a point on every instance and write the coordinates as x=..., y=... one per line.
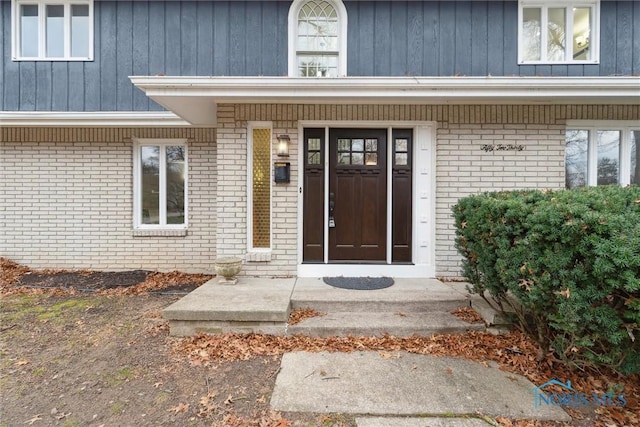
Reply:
x=317, y=38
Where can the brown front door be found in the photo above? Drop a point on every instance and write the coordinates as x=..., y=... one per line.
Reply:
x=357, y=195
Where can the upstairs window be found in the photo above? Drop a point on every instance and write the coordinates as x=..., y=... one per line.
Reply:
x=561, y=31
x=52, y=30
x=317, y=38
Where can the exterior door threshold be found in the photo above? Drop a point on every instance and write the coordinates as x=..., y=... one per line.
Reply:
x=367, y=270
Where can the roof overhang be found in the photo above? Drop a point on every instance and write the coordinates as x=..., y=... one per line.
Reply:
x=91, y=119
x=195, y=98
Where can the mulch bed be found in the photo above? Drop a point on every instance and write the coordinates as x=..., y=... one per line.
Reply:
x=97, y=281
x=15, y=276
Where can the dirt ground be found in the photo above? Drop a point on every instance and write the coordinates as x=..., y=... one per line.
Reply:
x=89, y=360
x=104, y=358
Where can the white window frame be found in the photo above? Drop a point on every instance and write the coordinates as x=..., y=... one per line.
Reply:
x=294, y=11
x=138, y=143
x=250, y=127
x=625, y=127
x=544, y=5
x=42, y=4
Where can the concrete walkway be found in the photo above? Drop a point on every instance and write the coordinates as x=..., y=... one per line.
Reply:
x=416, y=387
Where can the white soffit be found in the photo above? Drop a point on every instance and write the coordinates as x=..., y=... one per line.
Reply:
x=194, y=98
x=91, y=119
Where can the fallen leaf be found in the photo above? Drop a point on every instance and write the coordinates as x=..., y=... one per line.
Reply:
x=158, y=384
x=182, y=407
x=22, y=362
x=385, y=355
x=449, y=371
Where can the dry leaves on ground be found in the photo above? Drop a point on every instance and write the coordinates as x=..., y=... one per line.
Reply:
x=513, y=351
x=10, y=272
x=300, y=314
x=467, y=314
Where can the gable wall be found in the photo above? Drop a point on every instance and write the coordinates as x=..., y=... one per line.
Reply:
x=238, y=38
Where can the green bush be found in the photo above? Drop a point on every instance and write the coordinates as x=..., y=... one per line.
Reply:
x=567, y=263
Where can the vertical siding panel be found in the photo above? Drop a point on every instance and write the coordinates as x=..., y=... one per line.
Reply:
x=399, y=40
x=415, y=28
x=188, y=39
x=27, y=86
x=156, y=43
x=92, y=69
x=59, y=86
x=365, y=31
x=270, y=31
x=479, y=38
x=447, y=38
x=237, y=34
x=575, y=70
x=608, y=38
x=495, y=36
x=382, y=39
x=124, y=55
x=140, y=50
x=559, y=70
x=221, y=38
x=156, y=38
x=281, y=53
x=254, y=49
x=5, y=44
x=43, y=89
x=510, y=38
x=543, y=70
x=76, y=88
x=11, y=71
x=108, y=58
x=172, y=38
x=635, y=65
x=204, y=59
x=463, y=38
x=431, y=47
x=624, y=36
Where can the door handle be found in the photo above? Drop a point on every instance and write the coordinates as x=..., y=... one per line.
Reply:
x=332, y=205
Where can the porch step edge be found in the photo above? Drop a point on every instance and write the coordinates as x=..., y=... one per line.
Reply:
x=412, y=305
x=380, y=323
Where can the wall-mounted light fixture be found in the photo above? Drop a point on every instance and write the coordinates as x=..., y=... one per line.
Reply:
x=282, y=149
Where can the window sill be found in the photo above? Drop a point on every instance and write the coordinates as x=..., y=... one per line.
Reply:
x=52, y=59
x=258, y=256
x=590, y=62
x=159, y=233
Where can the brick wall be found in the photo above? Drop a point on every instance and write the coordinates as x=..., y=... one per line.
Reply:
x=462, y=168
x=67, y=197
x=232, y=199
x=66, y=194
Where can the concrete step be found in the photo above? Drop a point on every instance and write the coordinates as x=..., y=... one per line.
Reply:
x=406, y=303
x=406, y=295
x=378, y=323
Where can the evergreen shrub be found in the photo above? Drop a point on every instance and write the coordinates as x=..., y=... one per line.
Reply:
x=567, y=263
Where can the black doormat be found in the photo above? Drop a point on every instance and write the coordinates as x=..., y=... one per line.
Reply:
x=359, y=283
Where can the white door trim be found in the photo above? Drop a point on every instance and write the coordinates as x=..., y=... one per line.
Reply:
x=423, y=204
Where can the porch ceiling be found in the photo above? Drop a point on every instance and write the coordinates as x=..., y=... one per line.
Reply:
x=195, y=98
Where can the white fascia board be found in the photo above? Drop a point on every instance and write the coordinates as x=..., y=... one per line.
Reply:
x=397, y=90
x=91, y=119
